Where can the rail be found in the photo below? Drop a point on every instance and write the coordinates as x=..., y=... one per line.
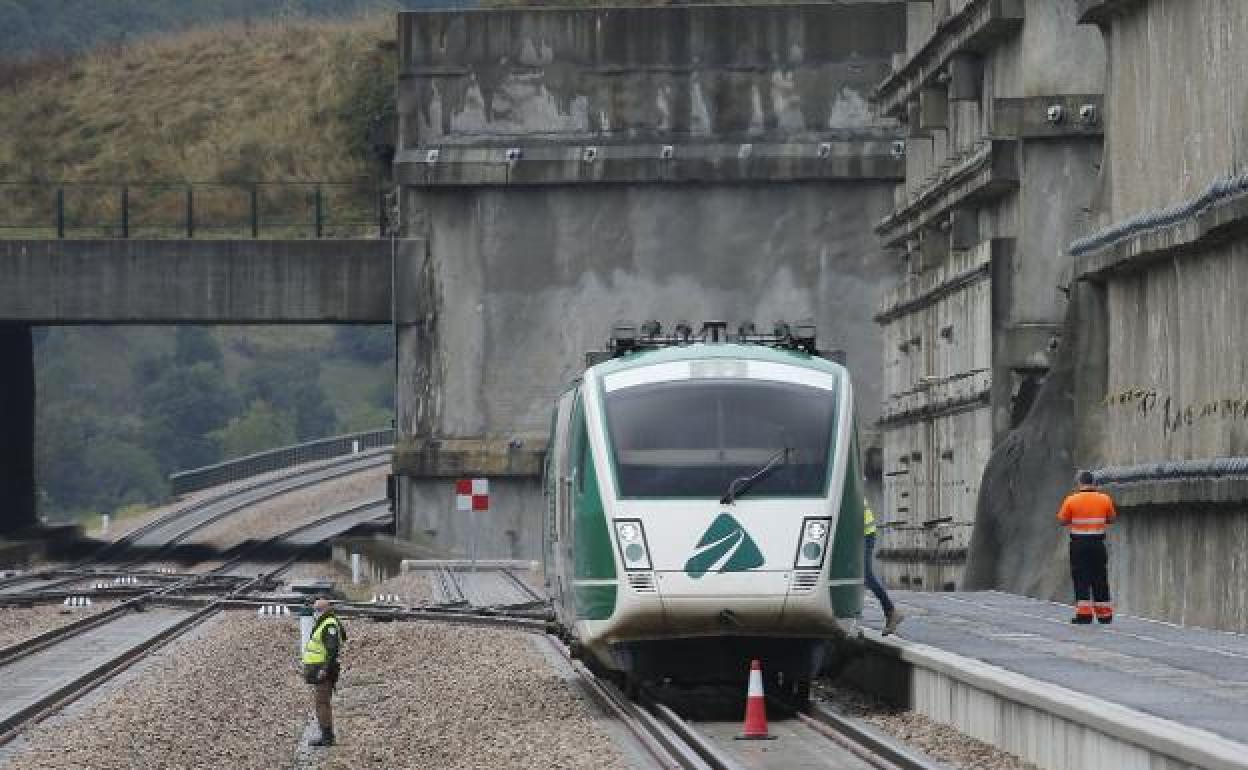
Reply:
x=281, y=210
x=185, y=482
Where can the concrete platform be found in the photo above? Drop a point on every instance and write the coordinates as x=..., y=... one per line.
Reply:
x=1015, y=672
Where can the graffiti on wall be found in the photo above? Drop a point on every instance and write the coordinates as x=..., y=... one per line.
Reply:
x=1174, y=416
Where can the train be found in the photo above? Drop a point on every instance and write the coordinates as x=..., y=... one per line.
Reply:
x=704, y=507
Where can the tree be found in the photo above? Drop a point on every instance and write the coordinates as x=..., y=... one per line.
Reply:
x=292, y=383
x=180, y=412
x=120, y=473
x=194, y=345
x=261, y=428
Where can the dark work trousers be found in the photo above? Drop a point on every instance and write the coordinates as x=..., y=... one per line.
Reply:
x=868, y=575
x=1089, y=568
x=321, y=694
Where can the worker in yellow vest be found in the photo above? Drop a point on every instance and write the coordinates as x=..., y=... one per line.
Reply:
x=320, y=665
x=892, y=615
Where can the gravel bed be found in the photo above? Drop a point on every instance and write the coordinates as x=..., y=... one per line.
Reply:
x=280, y=514
x=227, y=696
x=17, y=624
x=419, y=695
x=413, y=695
x=413, y=588
x=938, y=741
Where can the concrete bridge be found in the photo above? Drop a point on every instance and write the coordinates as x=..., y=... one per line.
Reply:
x=170, y=282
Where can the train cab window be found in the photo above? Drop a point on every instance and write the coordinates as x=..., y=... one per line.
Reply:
x=691, y=438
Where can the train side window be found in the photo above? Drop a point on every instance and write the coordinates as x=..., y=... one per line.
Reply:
x=579, y=448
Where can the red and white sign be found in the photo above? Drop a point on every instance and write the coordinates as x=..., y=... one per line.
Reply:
x=472, y=494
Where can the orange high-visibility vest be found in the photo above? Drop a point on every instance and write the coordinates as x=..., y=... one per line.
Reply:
x=1087, y=512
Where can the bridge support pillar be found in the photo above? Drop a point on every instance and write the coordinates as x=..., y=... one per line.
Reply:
x=17, y=428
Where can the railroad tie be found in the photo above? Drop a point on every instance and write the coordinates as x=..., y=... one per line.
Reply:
x=77, y=601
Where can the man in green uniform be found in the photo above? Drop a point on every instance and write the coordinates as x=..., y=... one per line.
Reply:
x=320, y=665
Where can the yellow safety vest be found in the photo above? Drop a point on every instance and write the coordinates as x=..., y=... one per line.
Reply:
x=314, y=652
x=868, y=517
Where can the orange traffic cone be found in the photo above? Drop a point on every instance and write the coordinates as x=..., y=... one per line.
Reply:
x=755, y=708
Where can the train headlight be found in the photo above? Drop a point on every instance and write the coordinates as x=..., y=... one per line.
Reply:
x=814, y=543
x=632, y=540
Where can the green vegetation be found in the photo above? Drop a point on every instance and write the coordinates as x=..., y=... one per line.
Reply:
x=119, y=408
x=232, y=104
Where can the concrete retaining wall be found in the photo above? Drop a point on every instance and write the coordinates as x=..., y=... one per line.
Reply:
x=1183, y=563
x=1176, y=386
x=1169, y=260
x=575, y=167
x=1175, y=101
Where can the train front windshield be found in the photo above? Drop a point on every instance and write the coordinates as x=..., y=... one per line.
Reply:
x=692, y=437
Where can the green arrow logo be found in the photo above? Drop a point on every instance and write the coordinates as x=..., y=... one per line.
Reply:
x=725, y=547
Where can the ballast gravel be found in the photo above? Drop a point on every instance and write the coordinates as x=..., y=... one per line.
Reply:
x=422, y=695
x=273, y=517
x=17, y=624
x=412, y=588
x=412, y=695
x=938, y=741
x=226, y=696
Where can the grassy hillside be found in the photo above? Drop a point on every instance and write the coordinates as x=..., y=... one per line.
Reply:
x=233, y=103
x=34, y=26
x=120, y=408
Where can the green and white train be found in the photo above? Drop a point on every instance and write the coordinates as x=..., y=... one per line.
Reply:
x=705, y=507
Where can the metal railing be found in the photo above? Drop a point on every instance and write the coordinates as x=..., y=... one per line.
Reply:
x=193, y=480
x=286, y=210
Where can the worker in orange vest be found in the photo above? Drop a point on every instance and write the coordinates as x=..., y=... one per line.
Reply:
x=1087, y=512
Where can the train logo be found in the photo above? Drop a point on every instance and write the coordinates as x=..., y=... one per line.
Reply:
x=725, y=547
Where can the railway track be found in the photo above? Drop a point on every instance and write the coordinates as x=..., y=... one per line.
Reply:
x=487, y=586
x=696, y=735
x=292, y=544
x=162, y=535
x=165, y=533
x=43, y=674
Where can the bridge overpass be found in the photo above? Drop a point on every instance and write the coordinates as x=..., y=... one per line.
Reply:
x=52, y=282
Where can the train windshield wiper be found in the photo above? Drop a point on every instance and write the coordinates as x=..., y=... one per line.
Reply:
x=740, y=486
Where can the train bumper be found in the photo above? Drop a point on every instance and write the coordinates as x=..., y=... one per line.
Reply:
x=726, y=604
